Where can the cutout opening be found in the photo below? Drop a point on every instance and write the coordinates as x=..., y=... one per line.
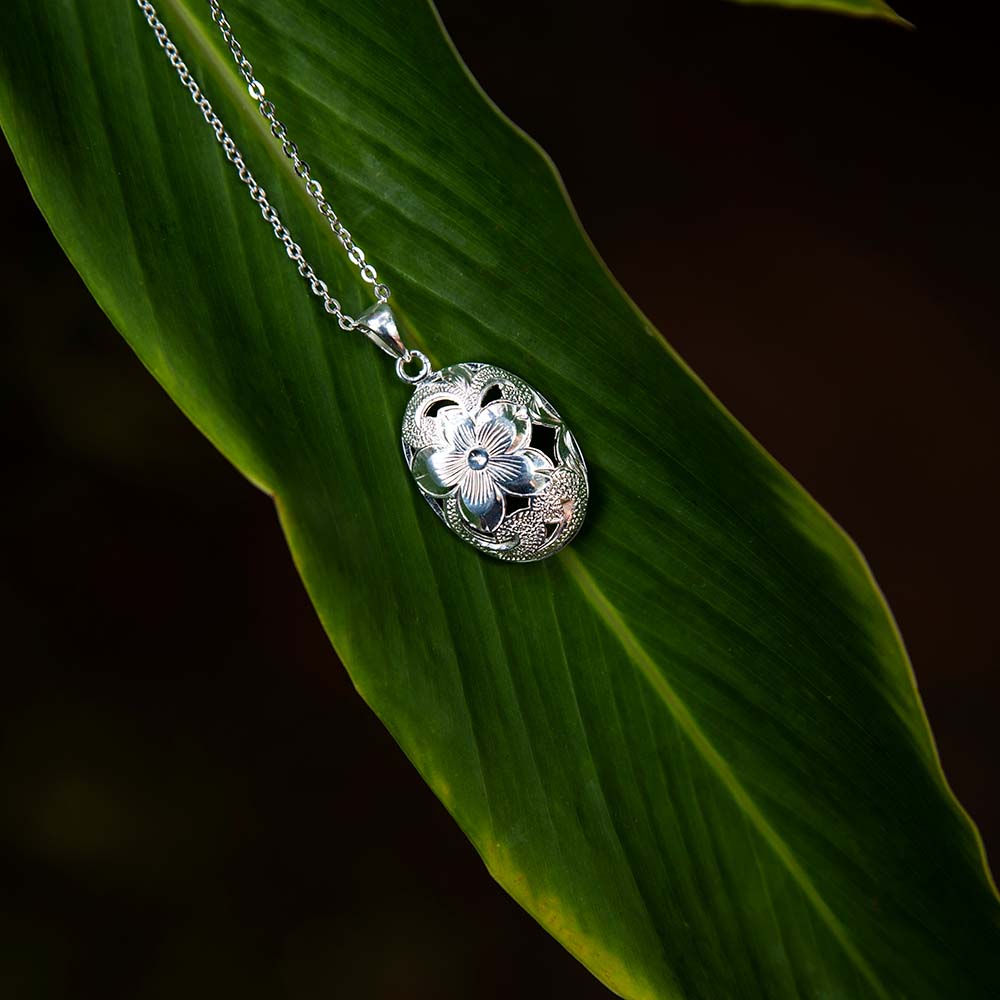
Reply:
x=491, y=395
x=437, y=406
x=514, y=502
x=544, y=439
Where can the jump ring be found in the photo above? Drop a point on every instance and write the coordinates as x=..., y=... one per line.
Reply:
x=420, y=374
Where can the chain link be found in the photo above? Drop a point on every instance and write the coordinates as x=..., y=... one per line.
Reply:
x=316, y=285
x=291, y=150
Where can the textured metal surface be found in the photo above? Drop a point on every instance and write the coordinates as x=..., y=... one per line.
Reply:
x=495, y=462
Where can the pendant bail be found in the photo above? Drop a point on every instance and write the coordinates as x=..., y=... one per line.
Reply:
x=379, y=325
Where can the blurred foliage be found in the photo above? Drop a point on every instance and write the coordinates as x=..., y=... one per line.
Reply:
x=854, y=8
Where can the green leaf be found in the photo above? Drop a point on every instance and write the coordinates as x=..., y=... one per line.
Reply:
x=690, y=745
x=854, y=8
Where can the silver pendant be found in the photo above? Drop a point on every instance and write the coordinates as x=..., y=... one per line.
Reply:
x=489, y=453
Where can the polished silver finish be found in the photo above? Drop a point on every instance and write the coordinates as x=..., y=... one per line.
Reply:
x=495, y=462
x=259, y=195
x=379, y=325
x=424, y=368
x=489, y=454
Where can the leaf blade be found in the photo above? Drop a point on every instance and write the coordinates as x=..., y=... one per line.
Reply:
x=852, y=8
x=591, y=802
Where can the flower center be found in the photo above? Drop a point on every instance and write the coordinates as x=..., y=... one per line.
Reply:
x=478, y=458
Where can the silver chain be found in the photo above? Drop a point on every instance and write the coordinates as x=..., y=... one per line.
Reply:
x=289, y=148
x=278, y=130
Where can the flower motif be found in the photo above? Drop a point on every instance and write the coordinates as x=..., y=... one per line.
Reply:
x=481, y=458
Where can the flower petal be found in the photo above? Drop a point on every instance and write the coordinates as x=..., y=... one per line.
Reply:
x=456, y=428
x=503, y=427
x=438, y=470
x=524, y=474
x=479, y=500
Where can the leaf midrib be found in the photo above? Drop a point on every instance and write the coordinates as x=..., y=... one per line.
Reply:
x=233, y=83
x=605, y=609
x=649, y=669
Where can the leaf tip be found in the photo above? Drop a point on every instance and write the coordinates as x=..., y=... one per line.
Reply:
x=870, y=9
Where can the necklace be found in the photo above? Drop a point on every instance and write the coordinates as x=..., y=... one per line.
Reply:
x=489, y=454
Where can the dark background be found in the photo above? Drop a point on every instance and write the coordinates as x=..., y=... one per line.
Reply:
x=193, y=801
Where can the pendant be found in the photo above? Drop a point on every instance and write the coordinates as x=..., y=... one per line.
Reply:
x=490, y=455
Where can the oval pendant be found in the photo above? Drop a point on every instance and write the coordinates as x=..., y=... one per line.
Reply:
x=495, y=462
